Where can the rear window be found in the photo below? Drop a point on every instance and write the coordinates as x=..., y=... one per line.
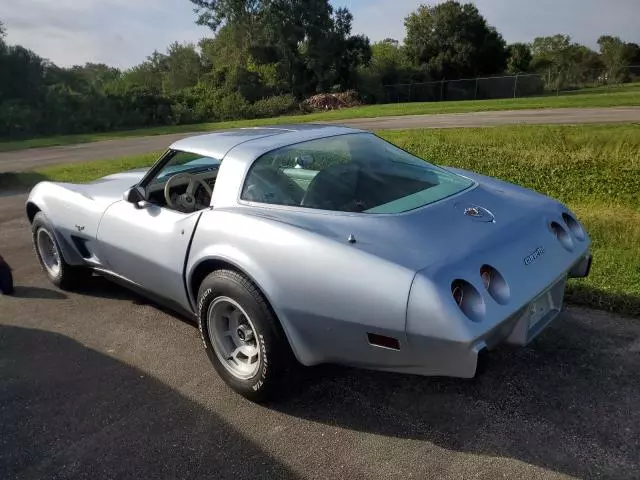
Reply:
x=349, y=173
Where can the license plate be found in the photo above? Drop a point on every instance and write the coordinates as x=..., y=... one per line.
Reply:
x=538, y=309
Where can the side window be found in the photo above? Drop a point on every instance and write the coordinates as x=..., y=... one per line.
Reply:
x=283, y=176
x=348, y=173
x=185, y=183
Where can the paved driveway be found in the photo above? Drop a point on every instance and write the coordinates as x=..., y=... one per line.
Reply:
x=102, y=384
x=39, y=157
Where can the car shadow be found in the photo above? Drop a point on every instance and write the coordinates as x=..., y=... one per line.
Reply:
x=568, y=403
x=18, y=182
x=37, y=293
x=101, y=287
x=61, y=418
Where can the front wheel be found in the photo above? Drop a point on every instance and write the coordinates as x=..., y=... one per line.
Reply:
x=49, y=254
x=242, y=338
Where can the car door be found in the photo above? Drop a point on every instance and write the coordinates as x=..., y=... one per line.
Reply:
x=145, y=239
x=148, y=246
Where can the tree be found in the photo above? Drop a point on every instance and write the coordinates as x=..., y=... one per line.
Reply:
x=21, y=74
x=216, y=13
x=389, y=61
x=452, y=40
x=3, y=33
x=613, y=52
x=148, y=74
x=632, y=54
x=519, y=58
x=551, y=53
x=563, y=62
x=298, y=46
x=182, y=67
x=95, y=75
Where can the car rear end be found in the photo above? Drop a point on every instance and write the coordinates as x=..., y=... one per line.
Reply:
x=507, y=289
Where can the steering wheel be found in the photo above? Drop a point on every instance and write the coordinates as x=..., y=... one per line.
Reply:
x=187, y=201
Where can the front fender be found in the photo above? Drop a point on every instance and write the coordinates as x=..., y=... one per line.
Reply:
x=53, y=200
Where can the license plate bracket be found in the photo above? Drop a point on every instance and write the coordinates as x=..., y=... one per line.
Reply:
x=538, y=314
x=538, y=309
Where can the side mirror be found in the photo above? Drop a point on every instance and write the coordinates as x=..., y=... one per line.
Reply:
x=134, y=195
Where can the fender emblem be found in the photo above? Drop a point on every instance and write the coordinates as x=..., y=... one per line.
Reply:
x=80, y=228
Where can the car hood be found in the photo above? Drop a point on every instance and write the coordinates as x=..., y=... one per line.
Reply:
x=109, y=189
x=514, y=220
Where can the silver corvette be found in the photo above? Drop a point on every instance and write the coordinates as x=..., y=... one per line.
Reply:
x=312, y=244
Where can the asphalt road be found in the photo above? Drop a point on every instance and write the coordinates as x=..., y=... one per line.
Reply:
x=101, y=384
x=34, y=158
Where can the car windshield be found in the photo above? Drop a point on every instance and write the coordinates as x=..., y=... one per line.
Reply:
x=184, y=162
x=357, y=172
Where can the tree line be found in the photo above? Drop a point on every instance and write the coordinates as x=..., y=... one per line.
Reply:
x=264, y=56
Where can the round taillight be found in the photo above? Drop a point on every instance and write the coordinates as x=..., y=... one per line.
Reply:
x=574, y=226
x=495, y=284
x=485, y=275
x=561, y=234
x=468, y=300
x=458, y=294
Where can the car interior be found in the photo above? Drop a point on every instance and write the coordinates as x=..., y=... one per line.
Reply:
x=184, y=191
x=350, y=186
x=185, y=183
x=355, y=180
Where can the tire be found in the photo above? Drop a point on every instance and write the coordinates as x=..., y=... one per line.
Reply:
x=225, y=292
x=59, y=272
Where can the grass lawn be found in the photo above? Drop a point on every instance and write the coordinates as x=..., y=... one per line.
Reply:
x=594, y=169
x=624, y=95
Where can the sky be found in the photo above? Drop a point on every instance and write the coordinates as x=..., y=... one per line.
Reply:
x=123, y=32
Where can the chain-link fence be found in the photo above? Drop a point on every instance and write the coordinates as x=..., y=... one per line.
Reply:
x=510, y=86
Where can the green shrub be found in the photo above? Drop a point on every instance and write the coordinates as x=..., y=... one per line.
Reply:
x=231, y=106
x=273, y=106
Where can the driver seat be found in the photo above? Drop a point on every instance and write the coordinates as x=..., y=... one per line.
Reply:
x=269, y=185
x=333, y=188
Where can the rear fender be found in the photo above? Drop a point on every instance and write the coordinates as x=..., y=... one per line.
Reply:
x=230, y=255
x=328, y=295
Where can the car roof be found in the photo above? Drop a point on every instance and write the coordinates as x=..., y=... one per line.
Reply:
x=217, y=144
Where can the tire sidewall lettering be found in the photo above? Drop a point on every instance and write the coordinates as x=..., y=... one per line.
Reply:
x=230, y=284
x=201, y=317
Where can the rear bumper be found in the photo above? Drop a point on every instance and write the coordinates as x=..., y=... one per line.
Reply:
x=582, y=267
x=437, y=357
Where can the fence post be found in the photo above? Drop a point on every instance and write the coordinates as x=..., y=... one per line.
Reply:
x=515, y=88
x=410, y=92
x=475, y=96
x=441, y=90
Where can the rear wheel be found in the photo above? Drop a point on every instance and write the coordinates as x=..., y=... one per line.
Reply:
x=242, y=338
x=49, y=255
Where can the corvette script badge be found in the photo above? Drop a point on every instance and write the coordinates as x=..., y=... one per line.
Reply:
x=529, y=259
